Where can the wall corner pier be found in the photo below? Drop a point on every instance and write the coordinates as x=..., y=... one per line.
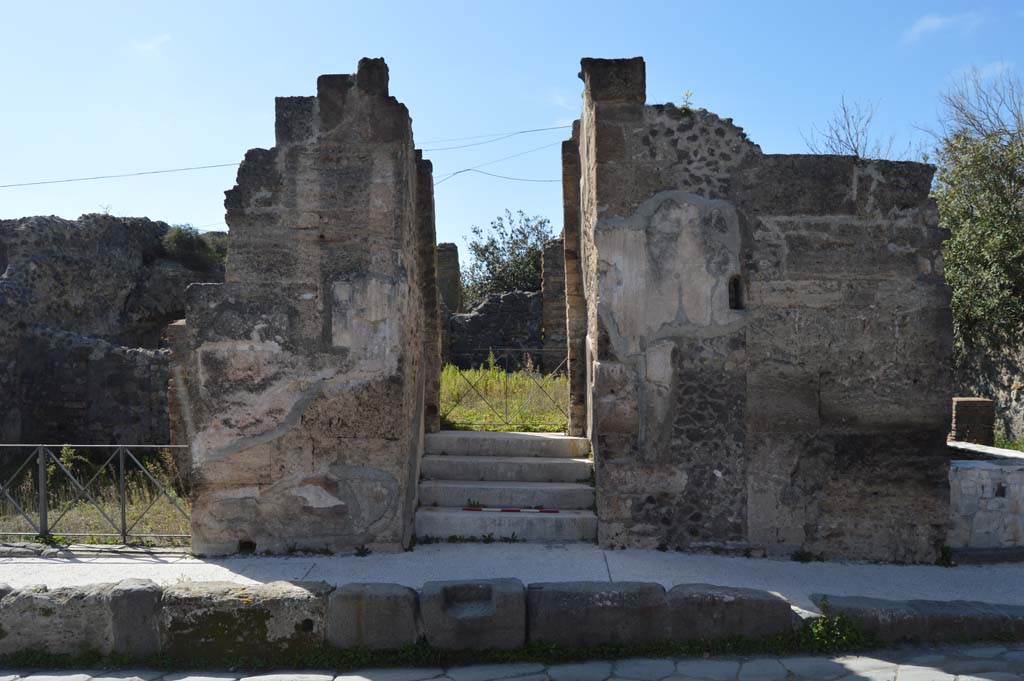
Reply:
x=307, y=367
x=767, y=336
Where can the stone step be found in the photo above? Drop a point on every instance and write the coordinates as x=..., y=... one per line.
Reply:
x=478, y=443
x=565, y=526
x=500, y=468
x=458, y=493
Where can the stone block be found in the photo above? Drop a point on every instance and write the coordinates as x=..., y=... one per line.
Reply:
x=378, y=616
x=474, y=615
x=596, y=613
x=890, y=621
x=134, y=611
x=706, y=612
x=615, y=80
x=65, y=621
x=781, y=398
x=221, y=619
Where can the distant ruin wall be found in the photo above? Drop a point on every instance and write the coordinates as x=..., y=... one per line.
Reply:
x=575, y=300
x=507, y=325
x=998, y=376
x=306, y=376
x=82, y=307
x=768, y=337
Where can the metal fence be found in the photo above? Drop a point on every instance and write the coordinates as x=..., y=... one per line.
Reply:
x=102, y=492
x=505, y=389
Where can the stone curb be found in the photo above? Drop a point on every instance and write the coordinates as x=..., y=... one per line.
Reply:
x=931, y=621
x=139, y=619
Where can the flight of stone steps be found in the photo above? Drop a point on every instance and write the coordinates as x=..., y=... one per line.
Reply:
x=535, y=487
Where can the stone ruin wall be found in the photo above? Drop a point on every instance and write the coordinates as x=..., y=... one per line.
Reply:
x=553, y=305
x=811, y=419
x=997, y=376
x=306, y=368
x=83, y=304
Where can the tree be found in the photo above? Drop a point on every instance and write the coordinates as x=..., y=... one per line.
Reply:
x=980, y=190
x=506, y=256
x=849, y=133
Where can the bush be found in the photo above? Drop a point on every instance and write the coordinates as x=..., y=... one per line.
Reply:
x=506, y=256
x=185, y=244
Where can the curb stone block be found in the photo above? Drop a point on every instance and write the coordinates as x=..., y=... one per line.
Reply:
x=707, y=612
x=479, y=615
x=919, y=620
x=224, y=619
x=890, y=621
x=378, y=616
x=134, y=606
x=596, y=613
x=63, y=621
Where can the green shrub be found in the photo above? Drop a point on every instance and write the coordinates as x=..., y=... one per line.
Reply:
x=185, y=244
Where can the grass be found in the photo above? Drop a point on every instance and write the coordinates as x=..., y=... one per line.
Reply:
x=492, y=399
x=1003, y=442
x=72, y=518
x=825, y=635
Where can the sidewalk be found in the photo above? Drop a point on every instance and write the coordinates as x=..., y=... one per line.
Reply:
x=993, y=663
x=534, y=563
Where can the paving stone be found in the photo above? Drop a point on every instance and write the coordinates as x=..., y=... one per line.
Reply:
x=762, y=670
x=291, y=676
x=195, y=676
x=715, y=670
x=990, y=676
x=397, y=674
x=129, y=675
x=872, y=675
x=644, y=669
x=586, y=671
x=491, y=672
x=916, y=673
x=857, y=664
x=5, y=676
x=927, y=660
x=814, y=667
x=62, y=676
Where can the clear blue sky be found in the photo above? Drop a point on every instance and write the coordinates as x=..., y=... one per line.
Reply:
x=92, y=88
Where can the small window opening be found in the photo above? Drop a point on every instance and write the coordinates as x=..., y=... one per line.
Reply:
x=246, y=547
x=735, y=292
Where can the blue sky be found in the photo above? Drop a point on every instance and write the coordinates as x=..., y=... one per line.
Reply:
x=95, y=88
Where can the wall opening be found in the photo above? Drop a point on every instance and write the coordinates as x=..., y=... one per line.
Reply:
x=736, y=292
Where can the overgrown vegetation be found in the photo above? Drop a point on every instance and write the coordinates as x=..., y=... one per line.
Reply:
x=980, y=191
x=72, y=517
x=490, y=398
x=195, y=250
x=828, y=635
x=506, y=256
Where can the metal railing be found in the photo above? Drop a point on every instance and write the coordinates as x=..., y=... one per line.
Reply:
x=49, y=480
x=502, y=388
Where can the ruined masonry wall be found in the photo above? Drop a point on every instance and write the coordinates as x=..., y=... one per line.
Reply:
x=768, y=337
x=306, y=368
x=553, y=327
x=985, y=499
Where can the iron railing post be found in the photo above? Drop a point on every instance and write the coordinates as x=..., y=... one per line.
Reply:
x=121, y=494
x=44, y=526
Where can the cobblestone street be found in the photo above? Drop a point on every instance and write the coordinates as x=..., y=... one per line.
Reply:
x=946, y=663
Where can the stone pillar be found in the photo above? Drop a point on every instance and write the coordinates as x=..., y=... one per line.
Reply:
x=431, y=304
x=575, y=301
x=449, y=277
x=305, y=374
x=974, y=420
x=553, y=324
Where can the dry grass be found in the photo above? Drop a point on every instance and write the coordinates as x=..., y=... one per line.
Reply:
x=489, y=398
x=73, y=517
